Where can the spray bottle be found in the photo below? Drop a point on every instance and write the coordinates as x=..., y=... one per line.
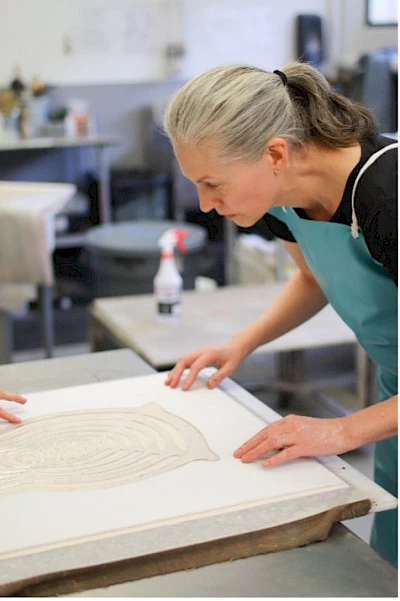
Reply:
x=168, y=281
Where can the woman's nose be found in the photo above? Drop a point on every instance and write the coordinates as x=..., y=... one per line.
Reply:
x=208, y=201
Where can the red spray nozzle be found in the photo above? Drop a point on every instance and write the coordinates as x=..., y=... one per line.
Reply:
x=180, y=240
x=173, y=238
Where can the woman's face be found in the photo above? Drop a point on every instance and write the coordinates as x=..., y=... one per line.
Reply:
x=242, y=192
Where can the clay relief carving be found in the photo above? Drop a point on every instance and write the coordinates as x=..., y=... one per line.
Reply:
x=94, y=449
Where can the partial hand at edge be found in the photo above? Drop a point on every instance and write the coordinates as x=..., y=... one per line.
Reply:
x=11, y=396
x=226, y=358
x=297, y=436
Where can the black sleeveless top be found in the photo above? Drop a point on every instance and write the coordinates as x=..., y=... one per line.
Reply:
x=375, y=205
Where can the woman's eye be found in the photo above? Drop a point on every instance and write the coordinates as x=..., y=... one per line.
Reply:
x=209, y=185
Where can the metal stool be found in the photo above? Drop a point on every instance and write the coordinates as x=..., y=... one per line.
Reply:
x=124, y=256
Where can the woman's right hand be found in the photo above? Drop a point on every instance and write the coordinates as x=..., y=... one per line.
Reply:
x=226, y=358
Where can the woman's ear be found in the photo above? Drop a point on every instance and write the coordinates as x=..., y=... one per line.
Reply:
x=276, y=151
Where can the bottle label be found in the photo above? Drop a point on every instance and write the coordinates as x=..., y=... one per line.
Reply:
x=167, y=293
x=169, y=308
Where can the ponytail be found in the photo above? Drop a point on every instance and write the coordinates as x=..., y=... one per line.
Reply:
x=241, y=107
x=327, y=117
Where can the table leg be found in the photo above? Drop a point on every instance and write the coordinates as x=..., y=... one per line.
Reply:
x=104, y=196
x=290, y=369
x=94, y=273
x=6, y=337
x=45, y=301
x=230, y=236
x=366, y=378
x=99, y=338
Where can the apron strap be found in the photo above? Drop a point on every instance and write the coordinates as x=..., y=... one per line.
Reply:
x=371, y=160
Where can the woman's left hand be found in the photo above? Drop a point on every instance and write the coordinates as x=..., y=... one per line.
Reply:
x=10, y=396
x=296, y=436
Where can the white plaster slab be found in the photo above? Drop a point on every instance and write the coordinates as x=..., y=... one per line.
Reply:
x=200, y=501
x=192, y=489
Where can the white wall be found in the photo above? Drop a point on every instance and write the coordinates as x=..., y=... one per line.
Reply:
x=84, y=41
x=353, y=36
x=117, y=41
x=260, y=32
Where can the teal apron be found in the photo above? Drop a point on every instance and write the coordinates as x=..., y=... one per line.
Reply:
x=365, y=296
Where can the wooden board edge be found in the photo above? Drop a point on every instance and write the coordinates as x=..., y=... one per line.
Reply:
x=271, y=540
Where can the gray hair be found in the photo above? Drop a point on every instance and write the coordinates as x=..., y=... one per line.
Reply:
x=240, y=108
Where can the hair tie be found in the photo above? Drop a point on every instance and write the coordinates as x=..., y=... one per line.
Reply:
x=283, y=77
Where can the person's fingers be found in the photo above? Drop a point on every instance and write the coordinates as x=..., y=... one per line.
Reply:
x=263, y=443
x=287, y=454
x=9, y=417
x=200, y=363
x=224, y=371
x=174, y=376
x=254, y=441
x=12, y=396
x=282, y=440
x=255, y=453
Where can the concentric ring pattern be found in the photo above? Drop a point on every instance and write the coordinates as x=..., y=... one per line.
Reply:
x=94, y=449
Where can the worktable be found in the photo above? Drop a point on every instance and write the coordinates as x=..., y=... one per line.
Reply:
x=208, y=318
x=341, y=566
x=214, y=317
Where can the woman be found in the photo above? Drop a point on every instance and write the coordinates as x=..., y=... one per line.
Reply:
x=286, y=148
